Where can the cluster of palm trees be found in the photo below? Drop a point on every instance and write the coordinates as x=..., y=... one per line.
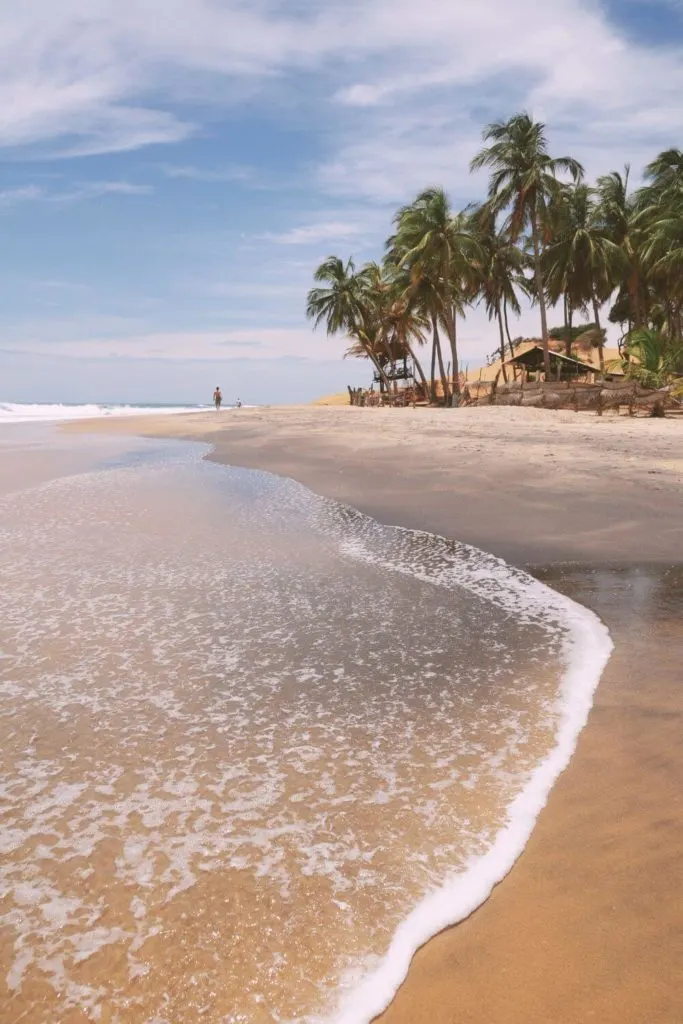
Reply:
x=542, y=232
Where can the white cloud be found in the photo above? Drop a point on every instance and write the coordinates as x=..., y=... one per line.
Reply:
x=176, y=346
x=93, y=189
x=92, y=76
x=314, y=234
x=21, y=194
x=252, y=290
x=233, y=173
x=393, y=95
x=79, y=191
x=605, y=99
x=116, y=338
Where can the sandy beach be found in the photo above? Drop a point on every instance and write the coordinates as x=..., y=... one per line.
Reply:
x=575, y=487
x=587, y=926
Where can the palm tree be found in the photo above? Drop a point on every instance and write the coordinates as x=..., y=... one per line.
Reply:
x=375, y=299
x=497, y=274
x=406, y=327
x=523, y=182
x=581, y=264
x=660, y=205
x=402, y=325
x=435, y=247
x=665, y=171
x=342, y=305
x=658, y=362
x=422, y=294
x=618, y=215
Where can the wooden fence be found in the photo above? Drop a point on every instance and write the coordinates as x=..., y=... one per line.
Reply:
x=579, y=396
x=402, y=397
x=599, y=396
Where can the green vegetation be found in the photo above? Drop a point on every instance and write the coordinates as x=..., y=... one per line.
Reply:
x=542, y=231
x=653, y=359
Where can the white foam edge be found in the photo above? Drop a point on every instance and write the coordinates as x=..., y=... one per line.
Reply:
x=585, y=656
x=19, y=412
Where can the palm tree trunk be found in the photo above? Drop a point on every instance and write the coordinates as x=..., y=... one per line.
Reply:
x=376, y=363
x=507, y=328
x=416, y=364
x=442, y=371
x=538, y=274
x=570, y=321
x=507, y=332
x=391, y=376
x=499, y=317
x=432, y=385
x=452, y=337
x=601, y=343
x=567, y=327
x=633, y=290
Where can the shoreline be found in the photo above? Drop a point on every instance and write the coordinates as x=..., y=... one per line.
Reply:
x=531, y=486
x=584, y=926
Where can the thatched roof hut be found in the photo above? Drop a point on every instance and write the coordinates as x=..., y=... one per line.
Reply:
x=492, y=371
x=561, y=367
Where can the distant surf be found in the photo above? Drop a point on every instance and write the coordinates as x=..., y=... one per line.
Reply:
x=21, y=412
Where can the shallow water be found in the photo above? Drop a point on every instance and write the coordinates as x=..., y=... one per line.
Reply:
x=246, y=731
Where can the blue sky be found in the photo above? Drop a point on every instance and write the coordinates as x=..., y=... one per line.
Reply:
x=173, y=170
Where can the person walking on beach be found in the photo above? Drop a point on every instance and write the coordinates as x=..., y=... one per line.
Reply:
x=217, y=398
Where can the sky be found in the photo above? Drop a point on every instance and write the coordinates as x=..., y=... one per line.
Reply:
x=172, y=171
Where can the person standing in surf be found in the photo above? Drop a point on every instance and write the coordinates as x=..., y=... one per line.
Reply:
x=217, y=398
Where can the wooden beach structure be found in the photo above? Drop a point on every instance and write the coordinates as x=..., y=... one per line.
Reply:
x=396, y=385
x=562, y=367
x=576, y=384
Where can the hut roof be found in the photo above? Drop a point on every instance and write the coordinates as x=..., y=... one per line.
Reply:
x=533, y=357
x=488, y=373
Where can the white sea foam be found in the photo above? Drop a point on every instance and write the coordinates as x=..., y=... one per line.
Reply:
x=586, y=649
x=278, y=712
x=19, y=412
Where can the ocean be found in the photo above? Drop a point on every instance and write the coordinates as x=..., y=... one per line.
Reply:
x=257, y=748
x=40, y=412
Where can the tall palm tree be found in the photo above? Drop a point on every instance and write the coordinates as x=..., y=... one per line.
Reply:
x=423, y=294
x=581, y=264
x=435, y=246
x=341, y=303
x=660, y=205
x=618, y=215
x=498, y=273
x=406, y=327
x=523, y=182
x=402, y=324
x=374, y=296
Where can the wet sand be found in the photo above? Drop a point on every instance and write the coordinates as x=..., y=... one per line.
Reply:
x=530, y=485
x=588, y=924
